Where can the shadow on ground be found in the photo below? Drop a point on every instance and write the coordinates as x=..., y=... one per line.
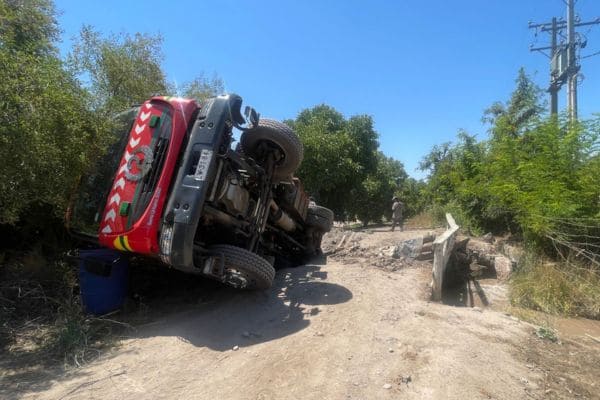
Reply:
x=237, y=318
x=202, y=312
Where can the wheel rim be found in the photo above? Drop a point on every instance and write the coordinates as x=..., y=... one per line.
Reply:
x=236, y=278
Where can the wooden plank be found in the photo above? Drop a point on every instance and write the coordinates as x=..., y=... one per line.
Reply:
x=340, y=244
x=442, y=248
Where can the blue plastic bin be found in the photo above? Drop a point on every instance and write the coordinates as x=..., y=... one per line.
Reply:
x=103, y=280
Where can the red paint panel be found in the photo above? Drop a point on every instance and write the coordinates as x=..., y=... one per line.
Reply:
x=143, y=234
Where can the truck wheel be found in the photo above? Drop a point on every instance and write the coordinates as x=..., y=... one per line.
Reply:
x=277, y=134
x=320, y=218
x=244, y=269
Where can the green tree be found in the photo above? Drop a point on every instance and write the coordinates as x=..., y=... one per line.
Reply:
x=361, y=130
x=329, y=169
x=28, y=26
x=524, y=108
x=46, y=128
x=413, y=194
x=343, y=167
x=119, y=70
x=530, y=172
x=201, y=88
x=372, y=197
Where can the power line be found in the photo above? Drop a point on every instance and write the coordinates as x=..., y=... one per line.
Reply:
x=564, y=66
x=591, y=55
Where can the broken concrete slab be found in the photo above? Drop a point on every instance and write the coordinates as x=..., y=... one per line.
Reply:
x=503, y=266
x=513, y=252
x=407, y=249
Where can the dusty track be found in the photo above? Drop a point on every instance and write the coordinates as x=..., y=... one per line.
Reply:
x=344, y=330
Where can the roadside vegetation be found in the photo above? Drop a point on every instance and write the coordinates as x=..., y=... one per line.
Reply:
x=535, y=178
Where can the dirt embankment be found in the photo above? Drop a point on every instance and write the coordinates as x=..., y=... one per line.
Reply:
x=358, y=326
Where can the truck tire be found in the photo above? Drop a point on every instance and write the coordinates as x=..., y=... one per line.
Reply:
x=278, y=134
x=244, y=269
x=320, y=218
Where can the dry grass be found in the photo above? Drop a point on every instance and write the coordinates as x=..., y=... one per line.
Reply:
x=557, y=288
x=423, y=220
x=43, y=321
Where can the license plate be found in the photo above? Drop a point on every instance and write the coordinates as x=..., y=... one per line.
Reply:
x=203, y=164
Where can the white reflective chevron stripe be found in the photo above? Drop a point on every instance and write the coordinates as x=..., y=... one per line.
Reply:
x=144, y=116
x=128, y=155
x=134, y=142
x=121, y=182
x=116, y=199
x=139, y=128
x=106, y=229
x=122, y=169
x=110, y=215
x=148, y=105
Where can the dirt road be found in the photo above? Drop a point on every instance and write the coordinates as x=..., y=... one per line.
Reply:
x=343, y=330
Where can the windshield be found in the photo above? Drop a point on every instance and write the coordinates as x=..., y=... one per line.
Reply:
x=95, y=186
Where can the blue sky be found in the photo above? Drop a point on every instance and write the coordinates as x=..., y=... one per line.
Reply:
x=422, y=69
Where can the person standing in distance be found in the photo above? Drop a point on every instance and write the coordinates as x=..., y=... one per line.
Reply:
x=397, y=208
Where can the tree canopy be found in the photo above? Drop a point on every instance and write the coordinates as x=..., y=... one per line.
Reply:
x=119, y=71
x=532, y=171
x=343, y=167
x=56, y=114
x=46, y=126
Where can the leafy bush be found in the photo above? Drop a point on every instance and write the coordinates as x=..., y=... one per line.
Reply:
x=537, y=177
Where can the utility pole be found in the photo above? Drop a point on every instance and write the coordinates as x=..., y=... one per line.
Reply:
x=556, y=81
x=573, y=68
x=564, y=67
x=554, y=88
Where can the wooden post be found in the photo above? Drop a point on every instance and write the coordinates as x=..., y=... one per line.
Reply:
x=442, y=248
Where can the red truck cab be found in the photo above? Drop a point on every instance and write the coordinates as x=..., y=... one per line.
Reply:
x=171, y=186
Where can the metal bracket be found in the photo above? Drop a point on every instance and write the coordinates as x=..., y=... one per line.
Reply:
x=209, y=266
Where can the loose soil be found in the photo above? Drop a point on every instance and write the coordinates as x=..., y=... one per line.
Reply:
x=358, y=326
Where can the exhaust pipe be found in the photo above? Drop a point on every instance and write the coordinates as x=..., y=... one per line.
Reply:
x=281, y=219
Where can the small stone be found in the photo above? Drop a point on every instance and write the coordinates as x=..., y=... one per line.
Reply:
x=387, y=386
x=320, y=334
x=478, y=309
x=488, y=237
x=391, y=350
x=236, y=348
